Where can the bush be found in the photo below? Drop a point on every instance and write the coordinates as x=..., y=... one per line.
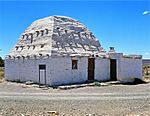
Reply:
x=1, y=62
x=1, y=73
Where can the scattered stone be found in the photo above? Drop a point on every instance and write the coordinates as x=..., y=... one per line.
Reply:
x=24, y=86
x=53, y=113
x=35, y=85
x=29, y=83
x=22, y=115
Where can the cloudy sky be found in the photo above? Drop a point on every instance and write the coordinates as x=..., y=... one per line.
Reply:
x=122, y=24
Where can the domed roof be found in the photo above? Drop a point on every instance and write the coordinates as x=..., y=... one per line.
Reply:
x=56, y=35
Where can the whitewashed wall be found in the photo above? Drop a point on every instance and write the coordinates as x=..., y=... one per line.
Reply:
x=129, y=69
x=102, y=69
x=58, y=70
x=21, y=70
x=63, y=72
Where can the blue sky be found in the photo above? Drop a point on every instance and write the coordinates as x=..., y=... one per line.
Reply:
x=115, y=23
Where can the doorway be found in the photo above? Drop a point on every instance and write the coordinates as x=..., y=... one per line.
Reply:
x=113, y=70
x=42, y=74
x=91, y=68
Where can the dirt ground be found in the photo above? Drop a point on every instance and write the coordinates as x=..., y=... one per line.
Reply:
x=113, y=100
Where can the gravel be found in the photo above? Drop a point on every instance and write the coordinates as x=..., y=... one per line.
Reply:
x=117, y=100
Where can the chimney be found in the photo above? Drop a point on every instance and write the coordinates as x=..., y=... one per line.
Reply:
x=111, y=49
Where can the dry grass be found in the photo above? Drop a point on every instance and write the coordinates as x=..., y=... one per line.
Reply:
x=146, y=73
x=1, y=74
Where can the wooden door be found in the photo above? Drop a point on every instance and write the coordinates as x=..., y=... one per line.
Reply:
x=113, y=70
x=91, y=68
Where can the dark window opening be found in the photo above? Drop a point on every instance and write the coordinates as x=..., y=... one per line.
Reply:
x=74, y=64
x=46, y=31
x=17, y=47
x=31, y=37
x=42, y=32
x=22, y=47
x=22, y=36
x=42, y=67
x=28, y=46
x=37, y=33
x=33, y=47
x=42, y=46
x=26, y=36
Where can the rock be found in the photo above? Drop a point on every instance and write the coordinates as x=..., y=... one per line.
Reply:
x=53, y=113
x=29, y=82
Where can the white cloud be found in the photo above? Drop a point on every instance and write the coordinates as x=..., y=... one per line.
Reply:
x=145, y=12
x=146, y=53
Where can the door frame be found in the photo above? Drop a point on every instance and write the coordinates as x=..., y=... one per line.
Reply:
x=42, y=67
x=91, y=69
x=113, y=69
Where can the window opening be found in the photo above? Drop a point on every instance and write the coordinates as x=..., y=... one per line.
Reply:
x=74, y=64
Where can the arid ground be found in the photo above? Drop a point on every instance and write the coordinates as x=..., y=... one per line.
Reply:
x=17, y=99
x=113, y=100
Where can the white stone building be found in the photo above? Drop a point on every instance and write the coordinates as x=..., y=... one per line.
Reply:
x=60, y=50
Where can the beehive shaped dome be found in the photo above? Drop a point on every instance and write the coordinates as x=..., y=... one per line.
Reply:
x=56, y=35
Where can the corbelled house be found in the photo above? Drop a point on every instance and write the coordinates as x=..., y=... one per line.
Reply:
x=60, y=50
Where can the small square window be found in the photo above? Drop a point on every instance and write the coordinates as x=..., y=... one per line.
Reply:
x=74, y=64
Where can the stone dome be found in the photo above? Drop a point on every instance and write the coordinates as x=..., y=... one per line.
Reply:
x=56, y=35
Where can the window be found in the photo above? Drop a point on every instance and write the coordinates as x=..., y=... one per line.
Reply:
x=74, y=64
x=42, y=67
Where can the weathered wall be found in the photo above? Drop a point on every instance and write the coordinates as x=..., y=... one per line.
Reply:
x=130, y=68
x=102, y=69
x=58, y=70
x=127, y=68
x=64, y=74
x=21, y=70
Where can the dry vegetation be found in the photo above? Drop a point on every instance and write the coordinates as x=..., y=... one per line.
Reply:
x=1, y=74
x=146, y=73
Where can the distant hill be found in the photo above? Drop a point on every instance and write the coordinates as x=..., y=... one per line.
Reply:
x=146, y=62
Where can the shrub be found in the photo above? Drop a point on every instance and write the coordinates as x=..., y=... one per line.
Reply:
x=1, y=62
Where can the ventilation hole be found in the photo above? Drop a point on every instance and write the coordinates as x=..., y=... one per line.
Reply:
x=33, y=47
x=42, y=46
x=28, y=47
x=46, y=31
x=28, y=57
x=17, y=47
